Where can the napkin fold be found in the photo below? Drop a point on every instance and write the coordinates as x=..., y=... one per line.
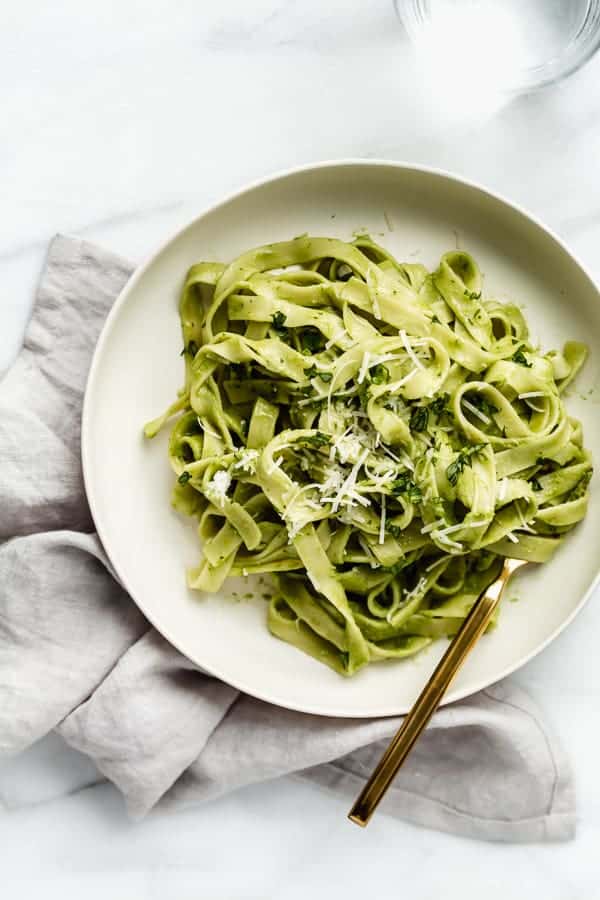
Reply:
x=77, y=656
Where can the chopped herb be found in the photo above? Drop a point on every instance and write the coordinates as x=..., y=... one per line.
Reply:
x=363, y=393
x=464, y=458
x=435, y=320
x=279, y=321
x=473, y=295
x=379, y=374
x=535, y=484
x=520, y=358
x=405, y=485
x=419, y=418
x=439, y=406
x=184, y=478
x=392, y=529
x=318, y=439
x=313, y=372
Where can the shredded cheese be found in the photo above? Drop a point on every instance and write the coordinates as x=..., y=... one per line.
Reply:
x=247, y=460
x=476, y=412
x=432, y=526
x=446, y=540
x=382, y=521
x=409, y=350
x=217, y=487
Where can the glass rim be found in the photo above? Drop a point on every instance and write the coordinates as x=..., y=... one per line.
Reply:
x=577, y=53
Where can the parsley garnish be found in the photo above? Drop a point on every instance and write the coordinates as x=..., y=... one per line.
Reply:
x=439, y=406
x=363, y=393
x=435, y=320
x=184, y=478
x=313, y=372
x=405, y=485
x=464, y=458
x=520, y=358
x=278, y=319
x=419, y=418
x=394, y=530
x=318, y=439
x=473, y=295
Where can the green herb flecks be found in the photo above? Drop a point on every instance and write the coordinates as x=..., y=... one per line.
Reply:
x=278, y=318
x=407, y=487
x=464, y=458
x=318, y=439
x=419, y=418
x=520, y=358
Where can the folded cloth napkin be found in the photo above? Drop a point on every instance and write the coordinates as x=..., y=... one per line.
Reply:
x=77, y=656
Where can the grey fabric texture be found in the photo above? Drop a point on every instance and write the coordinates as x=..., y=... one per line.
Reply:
x=77, y=656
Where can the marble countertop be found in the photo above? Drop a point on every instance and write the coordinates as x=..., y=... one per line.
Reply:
x=120, y=121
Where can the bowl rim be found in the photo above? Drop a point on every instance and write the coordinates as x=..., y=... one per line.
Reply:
x=139, y=272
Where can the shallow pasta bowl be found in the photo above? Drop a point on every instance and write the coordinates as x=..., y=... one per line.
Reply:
x=418, y=214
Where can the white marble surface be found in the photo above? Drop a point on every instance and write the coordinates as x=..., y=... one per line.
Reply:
x=120, y=121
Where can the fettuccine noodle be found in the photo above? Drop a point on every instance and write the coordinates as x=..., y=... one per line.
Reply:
x=374, y=436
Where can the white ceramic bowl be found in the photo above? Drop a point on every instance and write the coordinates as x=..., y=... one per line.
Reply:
x=418, y=214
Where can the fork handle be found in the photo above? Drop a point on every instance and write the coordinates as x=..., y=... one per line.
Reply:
x=429, y=699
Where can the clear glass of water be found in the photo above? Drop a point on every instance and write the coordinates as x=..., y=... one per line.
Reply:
x=509, y=45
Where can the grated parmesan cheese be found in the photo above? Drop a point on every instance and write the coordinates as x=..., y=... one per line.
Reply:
x=476, y=412
x=217, y=487
x=247, y=460
x=382, y=521
x=409, y=350
x=432, y=526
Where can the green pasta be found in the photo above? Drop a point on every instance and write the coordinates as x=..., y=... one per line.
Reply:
x=374, y=436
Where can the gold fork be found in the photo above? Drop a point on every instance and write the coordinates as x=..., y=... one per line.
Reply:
x=431, y=696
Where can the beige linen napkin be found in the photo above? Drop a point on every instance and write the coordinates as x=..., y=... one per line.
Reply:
x=76, y=655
